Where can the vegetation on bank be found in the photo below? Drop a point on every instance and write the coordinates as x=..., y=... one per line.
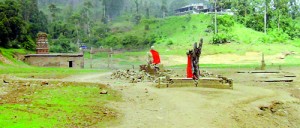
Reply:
x=15, y=66
x=56, y=105
x=137, y=25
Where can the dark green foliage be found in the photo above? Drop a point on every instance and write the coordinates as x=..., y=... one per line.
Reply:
x=293, y=30
x=255, y=21
x=281, y=15
x=225, y=21
x=20, y=21
x=221, y=38
x=170, y=42
x=147, y=27
x=130, y=41
x=279, y=36
x=29, y=44
x=63, y=45
x=149, y=40
x=137, y=19
x=183, y=27
x=225, y=24
x=11, y=24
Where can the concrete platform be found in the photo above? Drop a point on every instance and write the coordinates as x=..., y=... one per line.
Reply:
x=208, y=82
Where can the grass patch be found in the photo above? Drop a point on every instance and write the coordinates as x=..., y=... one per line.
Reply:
x=12, y=54
x=69, y=105
x=253, y=66
x=44, y=72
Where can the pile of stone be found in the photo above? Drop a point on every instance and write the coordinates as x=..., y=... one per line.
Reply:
x=205, y=73
x=132, y=76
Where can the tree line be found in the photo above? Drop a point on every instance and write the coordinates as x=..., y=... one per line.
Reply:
x=71, y=23
x=278, y=18
x=20, y=21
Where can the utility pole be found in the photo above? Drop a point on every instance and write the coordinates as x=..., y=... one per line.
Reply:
x=265, y=18
x=216, y=29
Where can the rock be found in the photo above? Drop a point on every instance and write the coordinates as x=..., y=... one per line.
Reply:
x=264, y=107
x=138, y=80
x=44, y=83
x=59, y=84
x=104, y=92
x=105, y=113
x=4, y=81
x=27, y=84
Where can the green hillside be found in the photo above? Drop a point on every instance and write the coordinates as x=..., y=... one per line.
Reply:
x=173, y=36
x=180, y=32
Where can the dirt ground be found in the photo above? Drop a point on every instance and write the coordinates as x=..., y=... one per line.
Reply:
x=250, y=104
x=247, y=58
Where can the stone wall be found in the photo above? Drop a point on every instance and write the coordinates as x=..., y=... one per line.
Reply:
x=58, y=60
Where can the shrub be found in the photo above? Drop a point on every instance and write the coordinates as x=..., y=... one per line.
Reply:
x=226, y=21
x=225, y=24
x=183, y=27
x=265, y=39
x=150, y=40
x=278, y=36
x=170, y=42
x=29, y=44
x=130, y=41
x=221, y=38
x=147, y=27
x=112, y=41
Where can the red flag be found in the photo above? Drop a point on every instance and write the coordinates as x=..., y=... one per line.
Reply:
x=189, y=72
x=155, y=56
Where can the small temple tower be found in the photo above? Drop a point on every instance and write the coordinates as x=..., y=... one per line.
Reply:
x=42, y=46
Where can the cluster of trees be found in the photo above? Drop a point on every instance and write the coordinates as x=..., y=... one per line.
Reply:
x=89, y=22
x=71, y=23
x=275, y=17
x=20, y=21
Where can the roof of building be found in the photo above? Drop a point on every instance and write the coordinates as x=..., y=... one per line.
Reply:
x=193, y=5
x=55, y=55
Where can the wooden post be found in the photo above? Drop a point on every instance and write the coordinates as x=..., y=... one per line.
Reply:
x=265, y=19
x=263, y=64
x=216, y=24
x=109, y=59
x=91, y=57
x=108, y=56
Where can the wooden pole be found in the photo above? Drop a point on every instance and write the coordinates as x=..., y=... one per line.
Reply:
x=91, y=57
x=265, y=18
x=111, y=57
x=216, y=26
x=108, y=56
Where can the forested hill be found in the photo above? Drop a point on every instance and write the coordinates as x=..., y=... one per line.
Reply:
x=118, y=7
x=140, y=23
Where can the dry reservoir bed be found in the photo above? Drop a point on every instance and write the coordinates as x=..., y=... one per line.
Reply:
x=249, y=104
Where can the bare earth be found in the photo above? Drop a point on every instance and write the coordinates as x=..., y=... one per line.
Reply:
x=145, y=106
x=249, y=104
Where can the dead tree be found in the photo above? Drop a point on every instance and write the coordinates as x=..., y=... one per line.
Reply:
x=195, y=56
